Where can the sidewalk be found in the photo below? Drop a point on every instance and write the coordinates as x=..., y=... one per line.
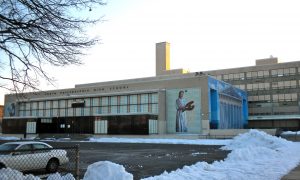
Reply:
x=293, y=175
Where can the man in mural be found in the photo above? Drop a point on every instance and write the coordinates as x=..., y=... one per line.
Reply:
x=182, y=106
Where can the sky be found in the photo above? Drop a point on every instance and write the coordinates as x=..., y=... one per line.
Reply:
x=204, y=35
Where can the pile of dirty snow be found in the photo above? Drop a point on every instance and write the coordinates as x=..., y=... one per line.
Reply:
x=105, y=170
x=255, y=155
x=9, y=138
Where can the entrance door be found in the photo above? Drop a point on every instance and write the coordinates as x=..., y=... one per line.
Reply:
x=31, y=127
x=100, y=126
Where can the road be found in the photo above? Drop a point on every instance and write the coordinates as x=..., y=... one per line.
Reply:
x=144, y=160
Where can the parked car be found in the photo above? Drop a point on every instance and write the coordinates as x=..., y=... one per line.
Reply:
x=31, y=155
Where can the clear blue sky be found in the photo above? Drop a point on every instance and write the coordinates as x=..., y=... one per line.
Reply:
x=204, y=35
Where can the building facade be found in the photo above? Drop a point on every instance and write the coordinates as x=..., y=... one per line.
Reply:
x=169, y=103
x=273, y=92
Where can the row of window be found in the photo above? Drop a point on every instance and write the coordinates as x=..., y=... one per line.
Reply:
x=258, y=74
x=134, y=99
x=275, y=97
x=266, y=86
x=90, y=111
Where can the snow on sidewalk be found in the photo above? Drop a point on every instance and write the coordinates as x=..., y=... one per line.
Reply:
x=255, y=155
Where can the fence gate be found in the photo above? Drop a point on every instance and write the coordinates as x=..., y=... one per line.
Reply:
x=100, y=127
x=31, y=127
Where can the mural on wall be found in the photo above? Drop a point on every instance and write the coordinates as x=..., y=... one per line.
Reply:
x=10, y=110
x=183, y=110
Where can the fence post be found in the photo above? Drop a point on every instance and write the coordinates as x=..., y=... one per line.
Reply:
x=77, y=161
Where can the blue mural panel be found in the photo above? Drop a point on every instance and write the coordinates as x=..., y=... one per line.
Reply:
x=228, y=105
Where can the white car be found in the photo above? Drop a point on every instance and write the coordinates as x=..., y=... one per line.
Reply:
x=31, y=155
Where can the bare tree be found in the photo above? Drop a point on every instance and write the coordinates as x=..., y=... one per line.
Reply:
x=34, y=33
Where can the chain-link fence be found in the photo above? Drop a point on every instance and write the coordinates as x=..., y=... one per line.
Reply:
x=39, y=161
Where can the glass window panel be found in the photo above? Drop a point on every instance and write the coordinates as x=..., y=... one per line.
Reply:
x=248, y=74
x=123, y=109
x=281, y=97
x=144, y=108
x=70, y=112
x=62, y=112
x=292, y=70
x=114, y=100
x=219, y=77
x=87, y=111
x=154, y=108
x=266, y=73
x=48, y=104
x=95, y=101
x=22, y=106
x=104, y=110
x=40, y=113
x=287, y=83
x=280, y=72
x=123, y=100
x=275, y=97
x=87, y=102
x=34, y=113
x=274, y=72
x=144, y=98
x=62, y=103
x=27, y=113
x=225, y=76
x=133, y=108
x=267, y=85
x=70, y=101
x=254, y=74
x=34, y=105
x=242, y=86
x=133, y=99
x=288, y=97
x=242, y=75
x=78, y=112
x=260, y=73
x=255, y=86
x=294, y=97
x=96, y=110
x=27, y=106
x=154, y=98
x=114, y=109
x=230, y=76
x=286, y=71
x=104, y=101
x=293, y=83
x=55, y=104
x=267, y=97
x=48, y=113
x=261, y=85
x=55, y=112
x=255, y=98
x=261, y=97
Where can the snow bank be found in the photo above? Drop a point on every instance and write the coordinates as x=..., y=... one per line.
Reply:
x=8, y=174
x=255, y=155
x=105, y=170
x=258, y=139
x=9, y=138
x=163, y=141
x=58, y=176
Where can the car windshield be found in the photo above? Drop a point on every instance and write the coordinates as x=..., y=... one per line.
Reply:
x=8, y=147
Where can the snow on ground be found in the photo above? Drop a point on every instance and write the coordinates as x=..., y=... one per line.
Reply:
x=9, y=174
x=105, y=170
x=291, y=133
x=163, y=141
x=255, y=155
x=9, y=138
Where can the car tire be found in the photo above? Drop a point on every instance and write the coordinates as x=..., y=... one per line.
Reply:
x=52, y=165
x=2, y=166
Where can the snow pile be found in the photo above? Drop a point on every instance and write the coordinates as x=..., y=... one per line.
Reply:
x=105, y=170
x=257, y=139
x=58, y=176
x=8, y=174
x=255, y=155
x=163, y=141
x=9, y=138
